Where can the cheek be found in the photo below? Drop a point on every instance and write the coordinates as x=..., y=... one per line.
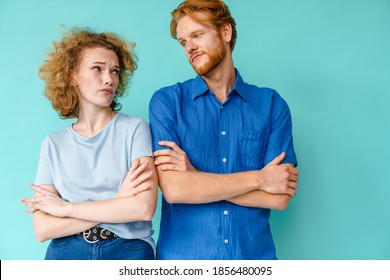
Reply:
x=83, y=80
x=187, y=54
x=116, y=83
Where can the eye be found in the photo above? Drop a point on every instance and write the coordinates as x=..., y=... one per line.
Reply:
x=182, y=43
x=197, y=35
x=115, y=72
x=97, y=68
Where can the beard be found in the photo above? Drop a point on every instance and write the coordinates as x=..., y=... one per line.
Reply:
x=216, y=56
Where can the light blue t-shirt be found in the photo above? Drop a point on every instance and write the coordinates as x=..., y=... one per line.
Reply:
x=90, y=169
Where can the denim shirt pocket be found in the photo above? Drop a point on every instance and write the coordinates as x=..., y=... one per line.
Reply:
x=251, y=147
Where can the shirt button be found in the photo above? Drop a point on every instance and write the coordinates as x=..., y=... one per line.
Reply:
x=224, y=159
x=223, y=133
x=226, y=241
x=225, y=212
x=221, y=107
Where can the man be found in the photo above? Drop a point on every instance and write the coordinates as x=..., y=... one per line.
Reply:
x=223, y=148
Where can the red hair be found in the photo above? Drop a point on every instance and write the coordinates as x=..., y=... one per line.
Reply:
x=60, y=65
x=215, y=12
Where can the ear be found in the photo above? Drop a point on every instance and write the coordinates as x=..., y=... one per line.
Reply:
x=227, y=32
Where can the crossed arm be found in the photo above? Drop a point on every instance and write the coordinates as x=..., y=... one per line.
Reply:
x=271, y=187
x=135, y=201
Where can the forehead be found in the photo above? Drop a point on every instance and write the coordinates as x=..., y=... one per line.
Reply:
x=187, y=25
x=98, y=54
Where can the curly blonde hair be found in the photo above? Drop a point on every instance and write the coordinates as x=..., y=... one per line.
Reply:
x=58, y=69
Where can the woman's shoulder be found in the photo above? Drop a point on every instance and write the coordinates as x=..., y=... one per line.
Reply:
x=130, y=120
x=56, y=138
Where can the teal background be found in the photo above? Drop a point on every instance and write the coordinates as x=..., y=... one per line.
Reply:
x=329, y=60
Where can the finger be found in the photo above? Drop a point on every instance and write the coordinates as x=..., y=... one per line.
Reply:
x=24, y=201
x=143, y=177
x=30, y=210
x=135, y=173
x=165, y=159
x=135, y=164
x=171, y=145
x=292, y=170
x=134, y=167
x=168, y=167
x=163, y=152
x=166, y=153
x=293, y=178
x=142, y=188
x=40, y=190
x=292, y=192
x=292, y=185
x=30, y=201
x=277, y=160
x=137, y=190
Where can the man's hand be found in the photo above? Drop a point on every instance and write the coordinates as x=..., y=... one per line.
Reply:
x=174, y=159
x=279, y=178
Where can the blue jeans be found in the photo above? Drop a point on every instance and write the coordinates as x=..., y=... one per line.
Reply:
x=76, y=248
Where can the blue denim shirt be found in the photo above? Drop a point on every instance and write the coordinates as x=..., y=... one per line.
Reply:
x=244, y=133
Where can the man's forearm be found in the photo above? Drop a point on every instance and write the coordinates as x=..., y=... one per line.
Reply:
x=202, y=187
x=261, y=199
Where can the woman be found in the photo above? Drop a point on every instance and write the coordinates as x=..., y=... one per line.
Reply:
x=96, y=185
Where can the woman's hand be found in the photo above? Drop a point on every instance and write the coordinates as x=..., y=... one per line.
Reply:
x=136, y=180
x=46, y=201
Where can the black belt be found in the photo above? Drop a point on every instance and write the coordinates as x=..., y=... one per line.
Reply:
x=97, y=234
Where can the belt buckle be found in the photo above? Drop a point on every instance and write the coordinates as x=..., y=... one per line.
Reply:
x=86, y=234
x=104, y=233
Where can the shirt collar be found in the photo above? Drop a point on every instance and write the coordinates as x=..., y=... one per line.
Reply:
x=199, y=86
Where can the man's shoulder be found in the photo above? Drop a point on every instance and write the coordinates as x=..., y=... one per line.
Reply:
x=260, y=93
x=253, y=90
x=257, y=89
x=171, y=95
x=176, y=88
x=263, y=96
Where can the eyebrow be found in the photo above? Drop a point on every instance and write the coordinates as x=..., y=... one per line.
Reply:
x=192, y=33
x=102, y=63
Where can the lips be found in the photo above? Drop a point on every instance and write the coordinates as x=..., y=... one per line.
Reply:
x=195, y=56
x=107, y=91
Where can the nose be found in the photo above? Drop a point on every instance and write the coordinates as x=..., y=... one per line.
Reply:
x=190, y=46
x=107, y=78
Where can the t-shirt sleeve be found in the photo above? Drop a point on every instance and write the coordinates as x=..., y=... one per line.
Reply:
x=163, y=119
x=142, y=141
x=44, y=176
x=281, y=139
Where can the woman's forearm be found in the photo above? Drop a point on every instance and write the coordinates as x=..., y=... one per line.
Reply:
x=48, y=227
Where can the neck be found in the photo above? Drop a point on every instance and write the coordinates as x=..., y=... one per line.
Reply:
x=90, y=123
x=221, y=80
